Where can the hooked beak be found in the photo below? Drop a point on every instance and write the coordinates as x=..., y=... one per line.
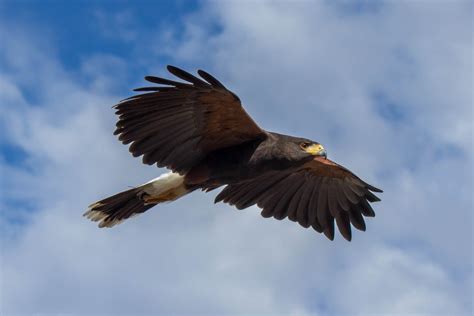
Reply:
x=317, y=150
x=322, y=153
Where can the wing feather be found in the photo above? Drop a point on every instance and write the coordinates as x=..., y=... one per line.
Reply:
x=344, y=225
x=357, y=219
x=167, y=82
x=294, y=202
x=281, y=209
x=213, y=81
x=187, y=77
x=323, y=214
x=319, y=193
x=302, y=213
x=196, y=116
x=313, y=206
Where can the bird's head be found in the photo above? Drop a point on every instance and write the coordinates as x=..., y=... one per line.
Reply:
x=312, y=148
x=298, y=149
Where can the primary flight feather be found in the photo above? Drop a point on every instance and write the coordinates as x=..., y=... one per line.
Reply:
x=199, y=130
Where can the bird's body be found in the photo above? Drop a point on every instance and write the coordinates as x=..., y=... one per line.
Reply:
x=248, y=160
x=200, y=131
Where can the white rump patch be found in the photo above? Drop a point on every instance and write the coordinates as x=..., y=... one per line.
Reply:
x=169, y=184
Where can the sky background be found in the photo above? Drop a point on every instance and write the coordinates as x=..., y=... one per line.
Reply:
x=385, y=86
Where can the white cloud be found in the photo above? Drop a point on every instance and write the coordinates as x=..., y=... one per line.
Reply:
x=332, y=64
x=410, y=285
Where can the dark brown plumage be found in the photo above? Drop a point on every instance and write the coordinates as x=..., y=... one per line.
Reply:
x=199, y=130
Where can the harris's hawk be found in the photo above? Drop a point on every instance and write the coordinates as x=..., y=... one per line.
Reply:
x=199, y=130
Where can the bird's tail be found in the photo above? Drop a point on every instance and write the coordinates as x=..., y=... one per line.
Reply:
x=117, y=208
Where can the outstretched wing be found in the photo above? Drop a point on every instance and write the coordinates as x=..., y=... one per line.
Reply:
x=315, y=194
x=175, y=125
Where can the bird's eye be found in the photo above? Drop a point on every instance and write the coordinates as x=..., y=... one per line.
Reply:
x=304, y=145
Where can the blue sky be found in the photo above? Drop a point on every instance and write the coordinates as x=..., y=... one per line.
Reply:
x=386, y=88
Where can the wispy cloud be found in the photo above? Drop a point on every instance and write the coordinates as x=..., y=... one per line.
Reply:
x=386, y=88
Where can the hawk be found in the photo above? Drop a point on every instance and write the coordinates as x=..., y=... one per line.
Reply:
x=199, y=130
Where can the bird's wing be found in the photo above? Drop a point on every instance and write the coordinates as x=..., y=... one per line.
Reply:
x=314, y=194
x=175, y=125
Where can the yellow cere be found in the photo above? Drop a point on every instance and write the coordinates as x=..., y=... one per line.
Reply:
x=314, y=149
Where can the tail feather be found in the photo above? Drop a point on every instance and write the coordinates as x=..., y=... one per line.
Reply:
x=117, y=208
x=121, y=206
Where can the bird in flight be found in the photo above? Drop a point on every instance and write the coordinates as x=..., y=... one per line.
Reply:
x=199, y=130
